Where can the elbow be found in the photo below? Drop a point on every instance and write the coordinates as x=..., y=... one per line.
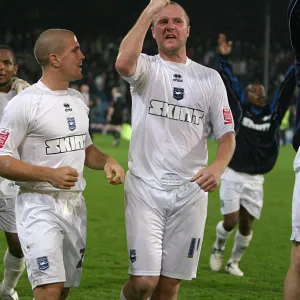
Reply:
x=125, y=67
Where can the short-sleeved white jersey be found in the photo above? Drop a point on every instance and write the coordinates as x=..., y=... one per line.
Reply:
x=48, y=128
x=8, y=189
x=173, y=106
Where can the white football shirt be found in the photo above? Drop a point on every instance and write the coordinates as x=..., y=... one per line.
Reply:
x=173, y=105
x=8, y=189
x=48, y=128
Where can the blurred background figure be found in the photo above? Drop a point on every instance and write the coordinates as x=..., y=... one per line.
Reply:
x=115, y=115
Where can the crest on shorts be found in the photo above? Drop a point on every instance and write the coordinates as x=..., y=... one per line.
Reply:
x=43, y=263
x=71, y=123
x=132, y=255
x=178, y=93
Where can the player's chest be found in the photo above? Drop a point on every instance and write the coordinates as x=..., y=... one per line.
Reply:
x=60, y=118
x=252, y=122
x=179, y=96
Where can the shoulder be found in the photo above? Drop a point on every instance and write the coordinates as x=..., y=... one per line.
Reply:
x=203, y=70
x=78, y=96
x=206, y=74
x=26, y=97
x=150, y=59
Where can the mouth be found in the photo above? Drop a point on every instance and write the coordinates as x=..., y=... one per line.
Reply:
x=170, y=37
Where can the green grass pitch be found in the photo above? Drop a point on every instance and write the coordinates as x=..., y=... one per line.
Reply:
x=105, y=267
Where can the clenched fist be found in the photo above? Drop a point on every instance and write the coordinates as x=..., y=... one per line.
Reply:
x=157, y=5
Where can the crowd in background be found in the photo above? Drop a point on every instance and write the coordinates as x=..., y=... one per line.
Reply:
x=100, y=75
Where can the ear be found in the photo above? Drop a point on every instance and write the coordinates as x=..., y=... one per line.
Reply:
x=153, y=33
x=188, y=31
x=15, y=69
x=53, y=60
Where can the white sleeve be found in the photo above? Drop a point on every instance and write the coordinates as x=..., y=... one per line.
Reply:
x=140, y=72
x=220, y=112
x=88, y=141
x=13, y=127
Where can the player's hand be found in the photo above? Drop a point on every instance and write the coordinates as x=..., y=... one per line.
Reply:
x=224, y=46
x=114, y=172
x=19, y=84
x=208, y=178
x=157, y=5
x=63, y=178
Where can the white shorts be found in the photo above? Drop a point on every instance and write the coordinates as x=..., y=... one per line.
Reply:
x=296, y=210
x=240, y=189
x=52, y=232
x=164, y=229
x=7, y=215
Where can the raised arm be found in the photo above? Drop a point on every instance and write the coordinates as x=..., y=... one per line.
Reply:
x=284, y=94
x=132, y=44
x=294, y=28
x=223, y=66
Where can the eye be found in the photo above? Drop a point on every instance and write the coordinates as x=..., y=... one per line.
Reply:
x=178, y=21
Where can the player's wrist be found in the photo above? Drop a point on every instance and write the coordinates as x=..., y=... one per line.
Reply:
x=47, y=174
x=110, y=160
x=149, y=12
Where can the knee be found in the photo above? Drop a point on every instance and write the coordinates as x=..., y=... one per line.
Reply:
x=64, y=294
x=49, y=291
x=16, y=252
x=168, y=286
x=245, y=228
x=14, y=246
x=230, y=221
x=143, y=285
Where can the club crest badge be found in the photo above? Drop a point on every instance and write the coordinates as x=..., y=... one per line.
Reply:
x=71, y=123
x=178, y=93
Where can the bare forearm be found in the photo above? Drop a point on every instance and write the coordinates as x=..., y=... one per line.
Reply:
x=95, y=158
x=226, y=147
x=132, y=45
x=17, y=170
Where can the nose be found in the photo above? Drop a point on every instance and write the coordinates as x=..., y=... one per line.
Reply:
x=1, y=65
x=170, y=25
x=82, y=57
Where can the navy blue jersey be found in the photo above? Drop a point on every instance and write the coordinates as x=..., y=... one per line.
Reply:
x=257, y=136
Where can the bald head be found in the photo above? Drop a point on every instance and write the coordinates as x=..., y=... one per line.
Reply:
x=51, y=41
x=185, y=13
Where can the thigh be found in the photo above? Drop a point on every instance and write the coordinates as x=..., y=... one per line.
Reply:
x=252, y=198
x=183, y=238
x=74, y=245
x=144, y=229
x=7, y=215
x=41, y=235
x=230, y=195
x=296, y=210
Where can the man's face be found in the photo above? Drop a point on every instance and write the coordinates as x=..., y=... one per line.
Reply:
x=70, y=60
x=8, y=69
x=256, y=95
x=171, y=29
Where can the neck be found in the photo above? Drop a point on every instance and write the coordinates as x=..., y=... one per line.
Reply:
x=174, y=56
x=6, y=87
x=54, y=81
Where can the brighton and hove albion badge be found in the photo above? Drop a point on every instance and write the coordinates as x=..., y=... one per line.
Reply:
x=71, y=123
x=43, y=263
x=178, y=93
